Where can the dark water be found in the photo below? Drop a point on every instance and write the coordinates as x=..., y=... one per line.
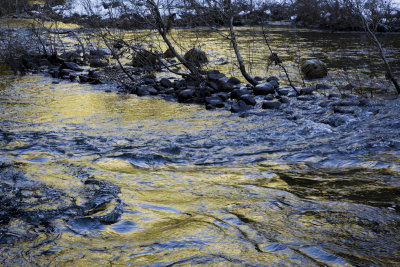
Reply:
x=107, y=179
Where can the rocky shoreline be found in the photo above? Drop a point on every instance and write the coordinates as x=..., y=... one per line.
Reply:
x=215, y=91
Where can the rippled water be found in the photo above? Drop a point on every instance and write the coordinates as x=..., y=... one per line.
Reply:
x=200, y=187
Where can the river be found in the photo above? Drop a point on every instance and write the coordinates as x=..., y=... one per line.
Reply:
x=190, y=186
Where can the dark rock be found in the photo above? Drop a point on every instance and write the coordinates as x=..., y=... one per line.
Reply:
x=239, y=106
x=258, y=78
x=70, y=66
x=64, y=72
x=222, y=96
x=248, y=99
x=335, y=120
x=165, y=82
x=186, y=95
x=223, y=85
x=284, y=100
x=314, y=69
x=264, y=89
x=212, y=76
x=93, y=74
x=152, y=90
x=305, y=97
x=237, y=93
x=271, y=104
x=349, y=96
x=273, y=78
x=234, y=81
x=143, y=90
x=269, y=97
x=274, y=83
x=179, y=84
x=333, y=96
x=283, y=91
x=214, y=102
x=170, y=91
x=98, y=63
x=343, y=110
x=307, y=90
x=346, y=103
x=212, y=85
x=149, y=81
x=99, y=52
x=325, y=104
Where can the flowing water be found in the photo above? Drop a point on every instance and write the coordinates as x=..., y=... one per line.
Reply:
x=184, y=186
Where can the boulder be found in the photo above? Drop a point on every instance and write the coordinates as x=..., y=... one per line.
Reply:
x=234, y=81
x=264, y=89
x=248, y=99
x=196, y=56
x=271, y=104
x=314, y=69
x=70, y=66
x=98, y=62
x=239, y=106
x=186, y=95
x=164, y=82
x=237, y=93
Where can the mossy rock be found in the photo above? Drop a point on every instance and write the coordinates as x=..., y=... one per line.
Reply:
x=145, y=58
x=314, y=69
x=196, y=56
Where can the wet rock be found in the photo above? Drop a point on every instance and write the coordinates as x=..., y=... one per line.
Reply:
x=239, y=106
x=152, y=90
x=186, y=95
x=234, y=81
x=305, y=98
x=212, y=85
x=314, y=69
x=343, y=110
x=264, y=89
x=274, y=83
x=271, y=104
x=224, y=85
x=70, y=66
x=284, y=100
x=64, y=73
x=258, y=79
x=215, y=75
x=98, y=63
x=222, y=96
x=272, y=78
x=179, y=84
x=284, y=91
x=269, y=97
x=336, y=120
x=165, y=82
x=149, y=81
x=248, y=99
x=214, y=102
x=307, y=90
x=196, y=56
x=237, y=93
x=143, y=90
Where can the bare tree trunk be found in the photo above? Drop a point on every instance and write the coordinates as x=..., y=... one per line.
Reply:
x=242, y=67
x=378, y=44
x=162, y=29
